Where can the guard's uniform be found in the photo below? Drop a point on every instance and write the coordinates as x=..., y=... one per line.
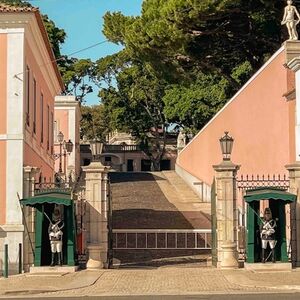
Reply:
x=267, y=233
x=55, y=237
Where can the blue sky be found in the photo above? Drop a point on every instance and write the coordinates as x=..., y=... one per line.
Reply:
x=82, y=20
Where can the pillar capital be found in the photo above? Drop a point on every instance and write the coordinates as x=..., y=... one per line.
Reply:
x=96, y=167
x=292, y=50
x=225, y=166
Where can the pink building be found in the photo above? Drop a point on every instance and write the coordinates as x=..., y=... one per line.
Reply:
x=30, y=80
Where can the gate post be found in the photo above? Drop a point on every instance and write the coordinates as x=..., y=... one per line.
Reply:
x=96, y=196
x=294, y=177
x=226, y=214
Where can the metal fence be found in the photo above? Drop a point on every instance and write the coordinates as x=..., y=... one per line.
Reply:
x=159, y=239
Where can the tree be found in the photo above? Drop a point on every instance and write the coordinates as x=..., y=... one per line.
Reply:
x=135, y=103
x=94, y=123
x=221, y=42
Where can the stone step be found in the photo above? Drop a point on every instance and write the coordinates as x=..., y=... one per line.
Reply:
x=53, y=270
x=268, y=267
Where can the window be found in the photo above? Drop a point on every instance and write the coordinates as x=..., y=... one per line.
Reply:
x=55, y=131
x=34, y=105
x=51, y=132
x=42, y=118
x=48, y=125
x=27, y=95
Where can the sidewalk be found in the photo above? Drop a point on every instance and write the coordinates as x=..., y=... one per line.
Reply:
x=29, y=284
x=160, y=281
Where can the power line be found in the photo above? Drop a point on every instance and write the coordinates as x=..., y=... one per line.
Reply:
x=63, y=57
x=81, y=50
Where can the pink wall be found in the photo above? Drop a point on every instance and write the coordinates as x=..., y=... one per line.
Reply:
x=3, y=80
x=2, y=181
x=32, y=157
x=3, y=87
x=258, y=119
x=62, y=119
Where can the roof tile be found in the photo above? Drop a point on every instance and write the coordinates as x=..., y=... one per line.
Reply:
x=11, y=9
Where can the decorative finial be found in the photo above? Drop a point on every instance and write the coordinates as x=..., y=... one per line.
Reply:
x=290, y=21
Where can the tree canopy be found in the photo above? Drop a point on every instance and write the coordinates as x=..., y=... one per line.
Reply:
x=182, y=61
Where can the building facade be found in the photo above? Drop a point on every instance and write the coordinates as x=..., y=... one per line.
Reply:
x=30, y=80
x=67, y=118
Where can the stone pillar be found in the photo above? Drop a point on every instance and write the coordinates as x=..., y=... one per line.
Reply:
x=294, y=176
x=293, y=62
x=226, y=214
x=29, y=220
x=97, y=232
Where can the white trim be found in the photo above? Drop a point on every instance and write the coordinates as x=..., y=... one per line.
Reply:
x=15, y=127
x=235, y=96
x=4, y=137
x=12, y=30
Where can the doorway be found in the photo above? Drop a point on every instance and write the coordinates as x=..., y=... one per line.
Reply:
x=129, y=165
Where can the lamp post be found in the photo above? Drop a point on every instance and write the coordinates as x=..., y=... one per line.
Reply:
x=224, y=251
x=64, y=148
x=96, y=147
x=226, y=143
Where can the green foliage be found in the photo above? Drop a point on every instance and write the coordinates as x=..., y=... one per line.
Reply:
x=193, y=106
x=56, y=35
x=201, y=52
x=134, y=103
x=94, y=122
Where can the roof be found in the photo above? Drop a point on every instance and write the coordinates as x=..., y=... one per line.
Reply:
x=9, y=8
x=6, y=8
x=269, y=193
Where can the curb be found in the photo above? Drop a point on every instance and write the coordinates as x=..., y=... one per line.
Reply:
x=243, y=281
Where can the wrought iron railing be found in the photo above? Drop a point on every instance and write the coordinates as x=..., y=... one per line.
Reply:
x=249, y=182
x=121, y=148
x=52, y=186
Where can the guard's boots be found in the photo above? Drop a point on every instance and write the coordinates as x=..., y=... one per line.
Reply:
x=59, y=258
x=52, y=259
x=263, y=259
x=273, y=256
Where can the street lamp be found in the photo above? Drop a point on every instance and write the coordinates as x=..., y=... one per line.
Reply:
x=63, y=145
x=226, y=143
x=96, y=147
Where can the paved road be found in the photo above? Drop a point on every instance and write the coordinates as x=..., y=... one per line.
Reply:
x=289, y=296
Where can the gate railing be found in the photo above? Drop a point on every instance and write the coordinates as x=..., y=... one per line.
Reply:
x=159, y=239
x=249, y=182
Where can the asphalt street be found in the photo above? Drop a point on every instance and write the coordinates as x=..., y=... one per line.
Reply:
x=273, y=296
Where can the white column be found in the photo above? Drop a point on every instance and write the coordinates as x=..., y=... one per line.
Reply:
x=14, y=160
x=294, y=65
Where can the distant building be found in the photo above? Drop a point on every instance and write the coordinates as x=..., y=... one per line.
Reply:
x=122, y=154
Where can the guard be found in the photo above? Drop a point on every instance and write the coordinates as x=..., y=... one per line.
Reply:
x=267, y=233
